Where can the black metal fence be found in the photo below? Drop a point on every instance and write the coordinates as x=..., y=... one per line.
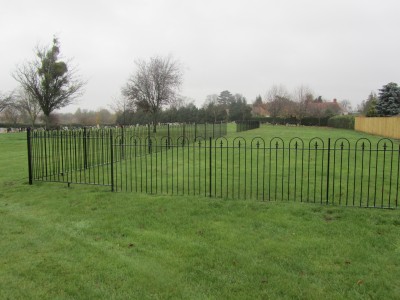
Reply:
x=247, y=125
x=341, y=172
x=173, y=131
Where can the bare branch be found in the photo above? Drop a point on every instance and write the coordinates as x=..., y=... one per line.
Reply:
x=154, y=84
x=5, y=101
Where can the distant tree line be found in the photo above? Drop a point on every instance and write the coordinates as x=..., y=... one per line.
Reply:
x=15, y=116
x=297, y=107
x=224, y=107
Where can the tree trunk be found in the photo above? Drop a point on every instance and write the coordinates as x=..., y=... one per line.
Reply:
x=155, y=122
x=47, y=121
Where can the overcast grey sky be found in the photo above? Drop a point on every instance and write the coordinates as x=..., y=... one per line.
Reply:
x=341, y=49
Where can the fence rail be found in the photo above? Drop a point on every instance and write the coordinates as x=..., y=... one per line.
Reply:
x=339, y=171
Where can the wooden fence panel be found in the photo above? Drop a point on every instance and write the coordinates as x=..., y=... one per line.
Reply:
x=388, y=127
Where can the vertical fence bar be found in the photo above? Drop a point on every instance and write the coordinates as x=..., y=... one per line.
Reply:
x=112, y=161
x=355, y=172
x=172, y=167
x=84, y=149
x=383, y=175
x=168, y=138
x=122, y=142
x=390, y=175
x=148, y=137
x=257, y=164
x=215, y=169
x=177, y=165
x=362, y=172
x=328, y=170
x=29, y=145
x=210, y=166
x=45, y=153
x=398, y=176
x=283, y=169
x=376, y=173
x=33, y=151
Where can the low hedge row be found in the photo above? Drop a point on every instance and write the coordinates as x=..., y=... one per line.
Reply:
x=345, y=122
x=307, y=121
x=342, y=121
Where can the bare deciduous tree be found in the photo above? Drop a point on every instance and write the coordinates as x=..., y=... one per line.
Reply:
x=26, y=103
x=12, y=114
x=122, y=108
x=303, y=97
x=48, y=80
x=278, y=100
x=277, y=91
x=346, y=106
x=5, y=101
x=154, y=84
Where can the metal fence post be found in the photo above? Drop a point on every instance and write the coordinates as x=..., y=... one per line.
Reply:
x=148, y=138
x=28, y=139
x=328, y=170
x=84, y=149
x=122, y=142
x=210, y=164
x=398, y=177
x=168, y=137
x=112, y=160
x=213, y=129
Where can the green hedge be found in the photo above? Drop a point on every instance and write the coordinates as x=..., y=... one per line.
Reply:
x=306, y=121
x=9, y=125
x=346, y=122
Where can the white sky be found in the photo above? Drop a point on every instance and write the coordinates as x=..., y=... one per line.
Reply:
x=341, y=49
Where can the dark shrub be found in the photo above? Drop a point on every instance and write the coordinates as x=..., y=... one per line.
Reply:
x=346, y=122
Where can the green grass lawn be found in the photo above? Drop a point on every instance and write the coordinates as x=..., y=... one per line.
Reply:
x=84, y=242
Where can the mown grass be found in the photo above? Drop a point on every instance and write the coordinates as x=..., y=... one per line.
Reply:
x=85, y=242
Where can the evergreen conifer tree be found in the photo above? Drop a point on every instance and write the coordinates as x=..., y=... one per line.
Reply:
x=389, y=100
